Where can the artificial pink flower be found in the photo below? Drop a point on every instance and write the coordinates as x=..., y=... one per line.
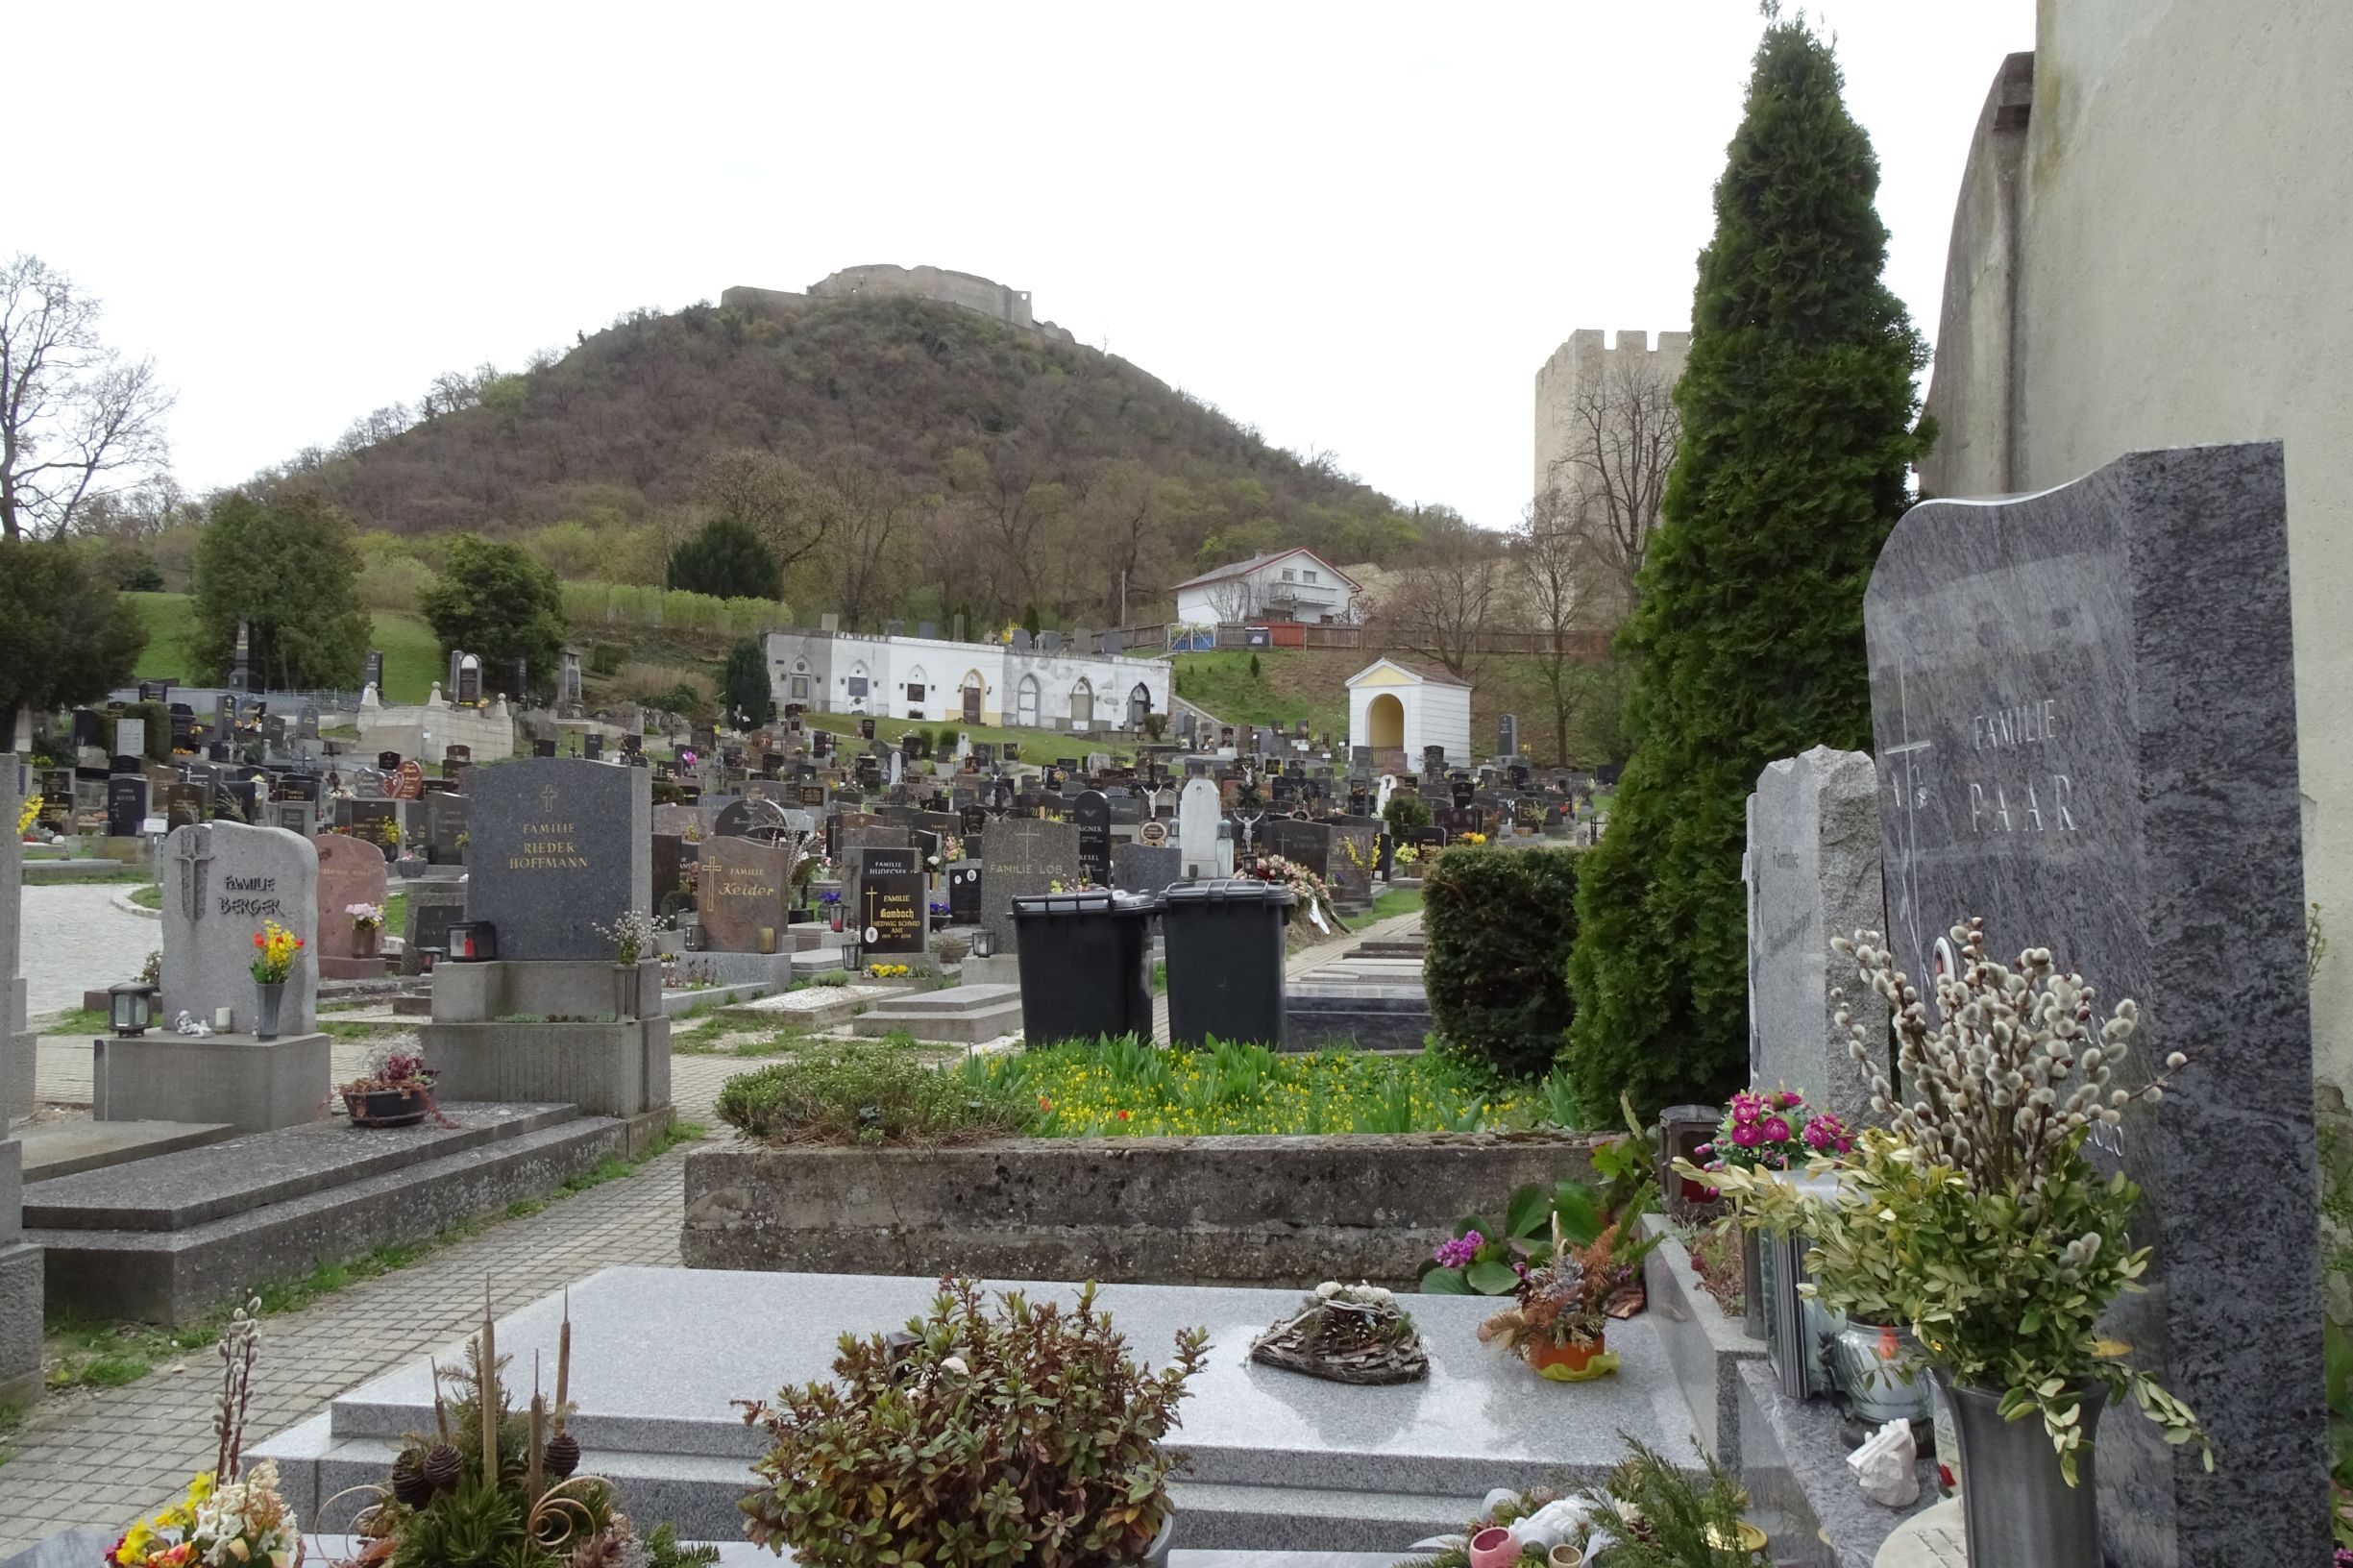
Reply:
x=1748, y=1135
x=1747, y=1107
x=1776, y=1129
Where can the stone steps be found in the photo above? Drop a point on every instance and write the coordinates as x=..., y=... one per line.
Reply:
x=272, y=1206
x=959, y=1015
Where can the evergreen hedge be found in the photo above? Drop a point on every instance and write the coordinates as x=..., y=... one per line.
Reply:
x=1798, y=424
x=1498, y=925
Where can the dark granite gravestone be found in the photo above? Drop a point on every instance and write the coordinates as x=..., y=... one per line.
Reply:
x=859, y=832
x=2083, y=704
x=964, y=892
x=1092, y=813
x=447, y=829
x=742, y=891
x=125, y=807
x=1025, y=856
x=182, y=804
x=432, y=907
x=893, y=905
x=665, y=854
x=558, y=847
x=378, y=822
x=1355, y=854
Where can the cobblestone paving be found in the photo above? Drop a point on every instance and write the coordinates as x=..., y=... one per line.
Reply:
x=101, y=1456
x=76, y=939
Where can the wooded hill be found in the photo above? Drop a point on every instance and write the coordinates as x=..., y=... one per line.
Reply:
x=927, y=445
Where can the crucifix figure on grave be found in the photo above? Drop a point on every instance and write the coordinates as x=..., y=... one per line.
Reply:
x=1248, y=822
x=195, y=854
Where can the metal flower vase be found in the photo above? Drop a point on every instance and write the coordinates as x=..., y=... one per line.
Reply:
x=2020, y=1513
x=269, y=996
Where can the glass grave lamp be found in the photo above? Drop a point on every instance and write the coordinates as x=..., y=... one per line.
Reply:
x=129, y=1009
x=980, y=943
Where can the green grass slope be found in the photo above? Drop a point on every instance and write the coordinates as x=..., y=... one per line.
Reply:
x=412, y=655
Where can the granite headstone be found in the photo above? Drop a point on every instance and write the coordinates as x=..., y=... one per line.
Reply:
x=1092, y=813
x=558, y=847
x=742, y=891
x=1027, y=855
x=2083, y=704
x=350, y=872
x=221, y=882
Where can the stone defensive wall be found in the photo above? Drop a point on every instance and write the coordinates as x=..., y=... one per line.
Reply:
x=965, y=290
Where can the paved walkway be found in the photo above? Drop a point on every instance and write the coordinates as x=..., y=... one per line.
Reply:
x=101, y=1457
x=76, y=939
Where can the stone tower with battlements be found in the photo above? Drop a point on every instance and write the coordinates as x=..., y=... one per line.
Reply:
x=1584, y=362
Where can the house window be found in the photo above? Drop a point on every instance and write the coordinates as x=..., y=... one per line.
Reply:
x=1286, y=575
x=915, y=691
x=1311, y=576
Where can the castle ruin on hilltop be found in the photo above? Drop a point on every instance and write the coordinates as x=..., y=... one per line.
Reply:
x=1583, y=369
x=964, y=289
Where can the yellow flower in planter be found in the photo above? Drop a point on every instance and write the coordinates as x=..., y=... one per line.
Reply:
x=275, y=949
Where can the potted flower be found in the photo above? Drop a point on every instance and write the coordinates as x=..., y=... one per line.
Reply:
x=275, y=952
x=936, y=1446
x=367, y=928
x=831, y=898
x=1559, y=1323
x=633, y=935
x=229, y=1513
x=1979, y=1219
x=397, y=1091
x=940, y=913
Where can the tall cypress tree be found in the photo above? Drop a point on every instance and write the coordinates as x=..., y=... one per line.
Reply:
x=1798, y=421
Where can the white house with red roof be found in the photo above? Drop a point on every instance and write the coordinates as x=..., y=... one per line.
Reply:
x=1288, y=585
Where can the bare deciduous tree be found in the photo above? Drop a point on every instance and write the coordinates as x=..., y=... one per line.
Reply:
x=1233, y=599
x=1563, y=570
x=76, y=420
x=1625, y=435
x=790, y=508
x=1443, y=602
x=872, y=512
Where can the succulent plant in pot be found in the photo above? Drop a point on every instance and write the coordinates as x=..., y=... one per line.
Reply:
x=397, y=1091
x=1013, y=1434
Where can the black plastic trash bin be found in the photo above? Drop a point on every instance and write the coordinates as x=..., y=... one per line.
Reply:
x=1084, y=970
x=1225, y=960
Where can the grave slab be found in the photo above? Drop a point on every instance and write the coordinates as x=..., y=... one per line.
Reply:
x=60, y=1149
x=1277, y=1460
x=248, y=1084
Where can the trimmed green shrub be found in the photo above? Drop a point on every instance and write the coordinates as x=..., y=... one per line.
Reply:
x=745, y=698
x=1405, y=813
x=1797, y=409
x=1498, y=925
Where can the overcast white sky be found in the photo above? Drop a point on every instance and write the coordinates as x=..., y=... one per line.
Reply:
x=1359, y=227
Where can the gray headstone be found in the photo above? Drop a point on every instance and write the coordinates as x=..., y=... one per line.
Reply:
x=350, y=872
x=2083, y=704
x=1814, y=874
x=742, y=893
x=556, y=846
x=1144, y=868
x=1027, y=855
x=1198, y=809
x=221, y=881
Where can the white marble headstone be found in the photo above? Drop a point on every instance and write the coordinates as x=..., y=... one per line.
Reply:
x=1198, y=808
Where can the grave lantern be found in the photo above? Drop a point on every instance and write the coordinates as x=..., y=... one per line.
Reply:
x=1682, y=1128
x=130, y=1007
x=473, y=942
x=981, y=944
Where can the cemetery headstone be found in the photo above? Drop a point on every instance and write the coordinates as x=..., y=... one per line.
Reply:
x=350, y=872
x=1025, y=856
x=1145, y=868
x=432, y=907
x=1092, y=813
x=126, y=805
x=1198, y=810
x=1813, y=874
x=558, y=846
x=893, y=905
x=2083, y=704
x=964, y=892
x=742, y=891
x=221, y=882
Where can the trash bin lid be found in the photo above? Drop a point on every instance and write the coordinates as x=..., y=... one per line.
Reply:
x=1035, y=906
x=1236, y=889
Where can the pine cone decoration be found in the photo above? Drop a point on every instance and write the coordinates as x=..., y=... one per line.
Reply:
x=563, y=1456
x=408, y=1483
x=443, y=1468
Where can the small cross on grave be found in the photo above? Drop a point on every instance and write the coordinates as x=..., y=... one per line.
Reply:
x=195, y=854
